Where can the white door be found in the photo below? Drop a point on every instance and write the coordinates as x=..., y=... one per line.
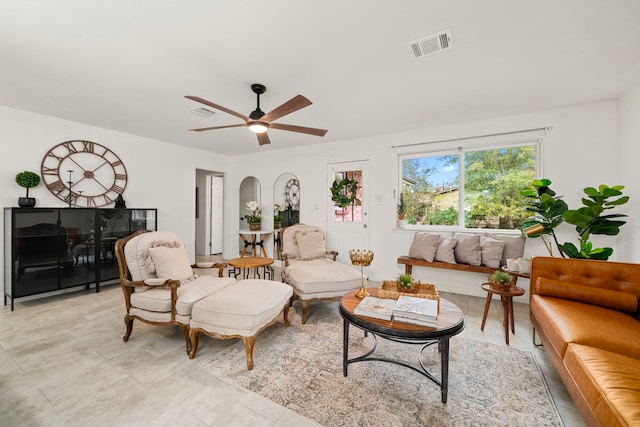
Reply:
x=347, y=227
x=215, y=213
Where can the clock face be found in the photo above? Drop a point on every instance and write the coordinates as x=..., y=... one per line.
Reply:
x=83, y=173
x=293, y=194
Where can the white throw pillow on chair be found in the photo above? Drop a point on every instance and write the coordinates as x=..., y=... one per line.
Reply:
x=171, y=263
x=311, y=245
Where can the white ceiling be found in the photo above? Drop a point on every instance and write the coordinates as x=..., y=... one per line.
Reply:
x=127, y=65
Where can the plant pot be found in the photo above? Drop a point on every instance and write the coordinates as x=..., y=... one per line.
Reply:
x=402, y=223
x=255, y=226
x=277, y=224
x=500, y=287
x=26, y=202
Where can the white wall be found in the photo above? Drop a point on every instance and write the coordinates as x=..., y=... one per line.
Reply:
x=160, y=175
x=629, y=153
x=580, y=151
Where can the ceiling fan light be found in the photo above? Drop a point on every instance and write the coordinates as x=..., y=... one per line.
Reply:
x=258, y=127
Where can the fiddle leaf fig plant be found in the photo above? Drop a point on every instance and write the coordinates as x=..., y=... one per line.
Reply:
x=589, y=220
x=546, y=209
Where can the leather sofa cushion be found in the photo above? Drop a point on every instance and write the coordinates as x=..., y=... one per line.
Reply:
x=608, y=298
x=609, y=383
x=565, y=321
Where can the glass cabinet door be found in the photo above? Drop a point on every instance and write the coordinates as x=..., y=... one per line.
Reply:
x=37, y=246
x=78, y=225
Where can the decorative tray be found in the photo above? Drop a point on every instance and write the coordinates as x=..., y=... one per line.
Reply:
x=391, y=289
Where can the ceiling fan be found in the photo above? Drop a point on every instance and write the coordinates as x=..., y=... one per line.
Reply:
x=258, y=121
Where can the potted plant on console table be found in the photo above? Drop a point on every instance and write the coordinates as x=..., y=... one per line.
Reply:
x=255, y=219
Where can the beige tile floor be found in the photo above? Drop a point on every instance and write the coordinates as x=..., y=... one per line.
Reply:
x=63, y=362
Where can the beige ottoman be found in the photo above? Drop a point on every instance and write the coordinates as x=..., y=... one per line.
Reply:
x=240, y=310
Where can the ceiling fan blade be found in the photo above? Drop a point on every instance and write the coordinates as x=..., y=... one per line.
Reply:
x=301, y=129
x=263, y=138
x=217, y=107
x=294, y=104
x=218, y=127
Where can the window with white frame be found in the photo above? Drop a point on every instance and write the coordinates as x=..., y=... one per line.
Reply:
x=467, y=188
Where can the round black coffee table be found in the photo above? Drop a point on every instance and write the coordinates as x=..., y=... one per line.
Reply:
x=451, y=321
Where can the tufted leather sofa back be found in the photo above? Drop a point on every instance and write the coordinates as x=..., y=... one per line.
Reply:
x=616, y=276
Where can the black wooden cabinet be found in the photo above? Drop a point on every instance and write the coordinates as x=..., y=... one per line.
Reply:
x=290, y=217
x=49, y=249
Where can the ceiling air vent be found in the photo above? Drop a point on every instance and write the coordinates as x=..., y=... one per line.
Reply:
x=204, y=112
x=432, y=44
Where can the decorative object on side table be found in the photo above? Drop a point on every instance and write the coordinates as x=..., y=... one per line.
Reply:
x=361, y=258
x=255, y=219
x=500, y=280
x=27, y=180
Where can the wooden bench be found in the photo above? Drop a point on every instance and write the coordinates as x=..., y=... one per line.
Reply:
x=410, y=262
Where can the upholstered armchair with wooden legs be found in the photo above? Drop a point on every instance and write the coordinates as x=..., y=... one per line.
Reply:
x=312, y=270
x=158, y=281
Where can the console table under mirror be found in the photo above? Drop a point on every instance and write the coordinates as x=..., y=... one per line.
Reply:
x=286, y=194
x=50, y=249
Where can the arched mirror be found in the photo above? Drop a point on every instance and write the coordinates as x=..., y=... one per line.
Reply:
x=249, y=191
x=286, y=194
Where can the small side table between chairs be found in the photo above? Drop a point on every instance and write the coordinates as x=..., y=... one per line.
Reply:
x=243, y=265
x=507, y=303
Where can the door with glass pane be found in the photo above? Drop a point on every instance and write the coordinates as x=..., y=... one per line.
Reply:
x=348, y=216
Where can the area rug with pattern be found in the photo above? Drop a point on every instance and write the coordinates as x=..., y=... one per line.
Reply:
x=300, y=367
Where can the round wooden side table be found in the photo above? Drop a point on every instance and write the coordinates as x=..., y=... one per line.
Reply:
x=507, y=303
x=245, y=264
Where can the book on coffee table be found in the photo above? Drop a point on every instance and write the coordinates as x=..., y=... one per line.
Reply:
x=423, y=311
x=415, y=321
x=379, y=308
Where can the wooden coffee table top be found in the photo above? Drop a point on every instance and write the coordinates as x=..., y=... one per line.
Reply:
x=250, y=262
x=451, y=320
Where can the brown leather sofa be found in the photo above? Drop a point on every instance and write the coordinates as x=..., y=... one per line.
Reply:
x=587, y=315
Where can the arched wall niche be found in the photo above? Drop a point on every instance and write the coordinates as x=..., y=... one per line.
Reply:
x=250, y=189
x=287, y=193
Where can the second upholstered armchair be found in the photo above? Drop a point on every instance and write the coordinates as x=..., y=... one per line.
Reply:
x=311, y=269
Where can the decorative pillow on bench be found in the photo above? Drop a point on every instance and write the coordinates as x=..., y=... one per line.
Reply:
x=433, y=247
x=424, y=246
x=607, y=298
x=467, y=250
x=513, y=246
x=491, y=250
x=445, y=252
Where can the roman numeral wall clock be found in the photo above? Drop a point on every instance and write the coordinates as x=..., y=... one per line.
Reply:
x=83, y=173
